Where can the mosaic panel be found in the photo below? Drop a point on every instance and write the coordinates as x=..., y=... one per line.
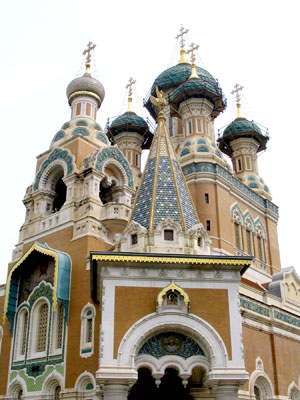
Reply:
x=249, y=305
x=287, y=318
x=66, y=125
x=184, y=152
x=97, y=126
x=171, y=343
x=81, y=122
x=35, y=384
x=80, y=131
x=102, y=138
x=59, y=136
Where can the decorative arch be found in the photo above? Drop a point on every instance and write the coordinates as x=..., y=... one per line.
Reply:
x=260, y=229
x=260, y=380
x=172, y=287
x=115, y=157
x=51, y=175
x=83, y=381
x=248, y=221
x=14, y=388
x=87, y=316
x=293, y=392
x=63, y=157
x=191, y=325
x=51, y=383
x=236, y=214
x=39, y=326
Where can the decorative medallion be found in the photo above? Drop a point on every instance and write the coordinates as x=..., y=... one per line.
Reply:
x=171, y=344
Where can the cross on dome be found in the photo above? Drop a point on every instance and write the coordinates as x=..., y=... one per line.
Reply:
x=129, y=85
x=192, y=50
x=181, y=36
x=87, y=52
x=236, y=91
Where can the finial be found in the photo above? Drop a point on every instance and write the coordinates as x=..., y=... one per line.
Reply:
x=193, y=59
x=87, y=52
x=236, y=91
x=129, y=87
x=160, y=101
x=180, y=36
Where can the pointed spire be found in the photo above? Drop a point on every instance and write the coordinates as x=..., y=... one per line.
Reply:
x=180, y=36
x=236, y=91
x=87, y=52
x=163, y=191
x=129, y=85
x=193, y=59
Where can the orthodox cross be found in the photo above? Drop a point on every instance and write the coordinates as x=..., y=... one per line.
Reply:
x=192, y=49
x=236, y=91
x=87, y=52
x=180, y=36
x=129, y=86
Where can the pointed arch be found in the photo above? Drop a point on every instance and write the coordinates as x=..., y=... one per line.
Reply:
x=85, y=383
x=260, y=229
x=236, y=214
x=14, y=388
x=53, y=381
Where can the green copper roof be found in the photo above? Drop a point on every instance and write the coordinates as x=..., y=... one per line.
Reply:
x=178, y=74
x=128, y=122
x=241, y=125
x=242, y=128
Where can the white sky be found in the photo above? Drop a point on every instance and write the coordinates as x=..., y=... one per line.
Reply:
x=254, y=43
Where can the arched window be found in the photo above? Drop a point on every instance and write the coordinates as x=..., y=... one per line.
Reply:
x=42, y=328
x=57, y=393
x=60, y=195
x=57, y=328
x=87, y=330
x=261, y=249
x=21, y=334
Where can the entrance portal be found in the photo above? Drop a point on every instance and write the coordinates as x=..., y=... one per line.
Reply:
x=170, y=388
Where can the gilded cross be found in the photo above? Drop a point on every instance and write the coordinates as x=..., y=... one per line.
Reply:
x=236, y=91
x=129, y=86
x=192, y=50
x=87, y=51
x=180, y=36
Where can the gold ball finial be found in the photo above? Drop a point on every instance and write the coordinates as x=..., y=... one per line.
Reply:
x=129, y=85
x=236, y=91
x=87, y=52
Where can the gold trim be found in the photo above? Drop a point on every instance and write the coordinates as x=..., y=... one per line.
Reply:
x=40, y=249
x=173, y=287
x=84, y=92
x=168, y=260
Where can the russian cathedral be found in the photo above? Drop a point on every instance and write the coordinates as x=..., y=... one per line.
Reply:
x=157, y=282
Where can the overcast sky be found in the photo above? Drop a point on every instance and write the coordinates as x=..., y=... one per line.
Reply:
x=253, y=43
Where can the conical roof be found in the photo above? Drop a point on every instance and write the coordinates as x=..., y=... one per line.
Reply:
x=163, y=191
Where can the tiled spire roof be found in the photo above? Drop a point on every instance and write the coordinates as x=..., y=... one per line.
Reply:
x=163, y=191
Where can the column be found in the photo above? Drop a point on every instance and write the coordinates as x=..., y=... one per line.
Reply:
x=116, y=391
x=226, y=392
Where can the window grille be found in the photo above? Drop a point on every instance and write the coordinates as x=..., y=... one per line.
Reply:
x=24, y=333
x=89, y=330
x=42, y=328
x=60, y=324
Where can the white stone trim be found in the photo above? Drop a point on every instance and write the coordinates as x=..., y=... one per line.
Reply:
x=260, y=379
x=15, y=386
x=52, y=381
x=83, y=379
x=87, y=348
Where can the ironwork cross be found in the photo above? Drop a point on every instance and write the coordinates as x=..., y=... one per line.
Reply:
x=236, y=91
x=192, y=50
x=87, y=51
x=129, y=85
x=180, y=36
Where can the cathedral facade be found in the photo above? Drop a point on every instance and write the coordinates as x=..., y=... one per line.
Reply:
x=164, y=283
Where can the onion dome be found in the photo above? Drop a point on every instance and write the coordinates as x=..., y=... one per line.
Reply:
x=175, y=76
x=129, y=122
x=242, y=128
x=85, y=85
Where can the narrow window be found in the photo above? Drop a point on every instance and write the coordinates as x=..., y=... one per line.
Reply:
x=261, y=250
x=239, y=164
x=87, y=331
x=208, y=225
x=237, y=234
x=24, y=333
x=171, y=125
x=60, y=325
x=20, y=394
x=134, y=239
x=57, y=393
x=199, y=241
x=136, y=160
x=190, y=131
x=249, y=242
x=88, y=109
x=206, y=196
x=42, y=328
x=78, y=108
x=168, y=234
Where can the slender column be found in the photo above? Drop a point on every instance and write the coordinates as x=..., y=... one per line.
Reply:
x=116, y=391
x=226, y=392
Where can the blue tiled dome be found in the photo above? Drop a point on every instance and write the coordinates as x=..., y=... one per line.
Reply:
x=241, y=125
x=177, y=75
x=128, y=122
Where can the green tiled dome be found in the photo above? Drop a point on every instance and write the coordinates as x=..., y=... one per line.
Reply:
x=241, y=125
x=242, y=128
x=128, y=122
x=175, y=76
x=200, y=88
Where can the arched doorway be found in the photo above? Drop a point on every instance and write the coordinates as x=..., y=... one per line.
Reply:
x=169, y=388
x=60, y=195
